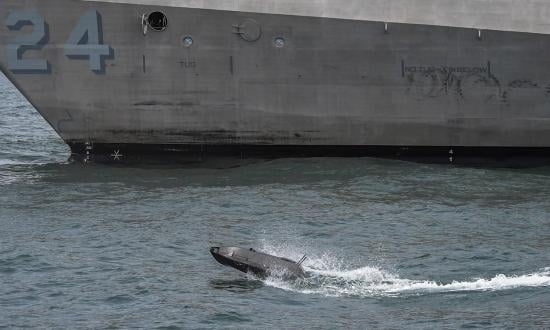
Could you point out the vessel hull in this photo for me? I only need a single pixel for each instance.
(335, 84)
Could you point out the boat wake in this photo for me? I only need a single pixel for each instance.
(329, 277)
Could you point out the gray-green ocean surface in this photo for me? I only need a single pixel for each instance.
(391, 244)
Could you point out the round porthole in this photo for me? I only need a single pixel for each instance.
(187, 41)
(279, 42)
(157, 21)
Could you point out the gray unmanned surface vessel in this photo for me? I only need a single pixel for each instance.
(258, 263)
(169, 79)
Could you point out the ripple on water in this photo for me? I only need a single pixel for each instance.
(227, 317)
(120, 299)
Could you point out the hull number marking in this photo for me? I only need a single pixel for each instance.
(34, 40)
(85, 42)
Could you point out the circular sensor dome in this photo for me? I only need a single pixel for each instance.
(279, 42)
(157, 21)
(187, 41)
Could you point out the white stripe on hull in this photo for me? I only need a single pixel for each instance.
(506, 15)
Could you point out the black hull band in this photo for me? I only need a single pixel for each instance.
(167, 154)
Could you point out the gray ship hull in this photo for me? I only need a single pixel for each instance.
(273, 84)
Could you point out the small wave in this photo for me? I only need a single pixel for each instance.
(326, 276)
(4, 162)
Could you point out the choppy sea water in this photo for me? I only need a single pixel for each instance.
(391, 244)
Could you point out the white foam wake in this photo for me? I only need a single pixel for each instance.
(499, 282)
(328, 276)
(369, 281)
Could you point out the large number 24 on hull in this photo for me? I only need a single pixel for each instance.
(85, 41)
